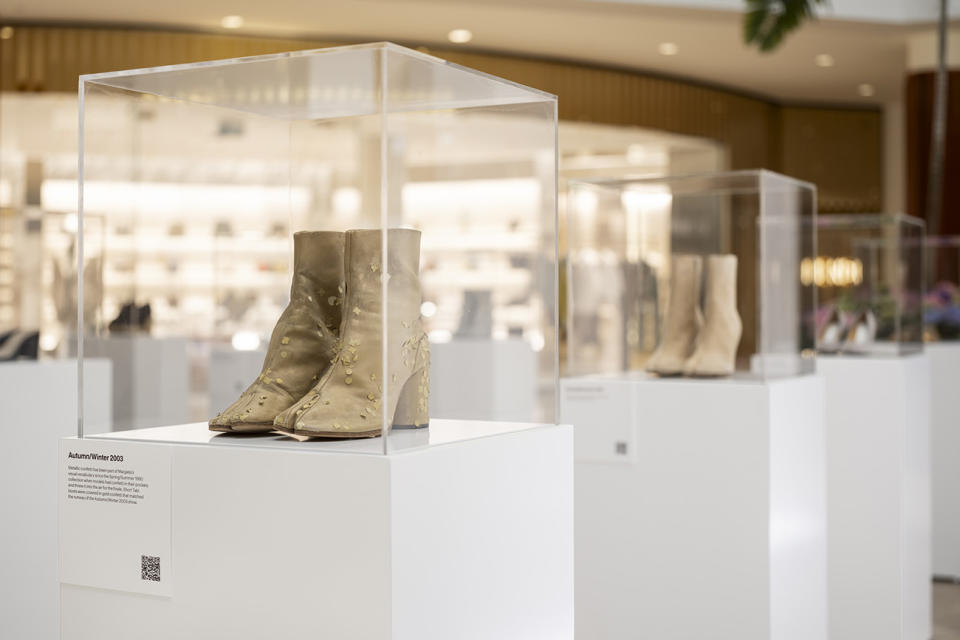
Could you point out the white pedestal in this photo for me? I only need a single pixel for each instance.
(150, 379)
(878, 481)
(39, 401)
(701, 508)
(448, 538)
(945, 435)
(231, 372)
(483, 379)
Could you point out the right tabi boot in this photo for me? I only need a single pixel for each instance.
(304, 339)
(352, 398)
(683, 319)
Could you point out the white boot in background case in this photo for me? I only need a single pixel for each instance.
(683, 320)
(717, 344)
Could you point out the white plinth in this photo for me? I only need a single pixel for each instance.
(39, 401)
(878, 480)
(449, 538)
(150, 378)
(945, 434)
(700, 508)
(231, 372)
(486, 379)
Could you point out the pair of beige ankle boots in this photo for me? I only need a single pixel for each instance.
(323, 373)
(695, 343)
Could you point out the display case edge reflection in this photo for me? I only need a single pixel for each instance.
(761, 221)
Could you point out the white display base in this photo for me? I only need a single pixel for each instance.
(701, 508)
(945, 434)
(878, 481)
(150, 378)
(449, 538)
(39, 401)
(483, 379)
(231, 372)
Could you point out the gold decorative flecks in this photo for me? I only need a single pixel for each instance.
(348, 380)
(326, 402)
(349, 371)
(404, 324)
(284, 354)
(332, 301)
(285, 340)
(279, 380)
(356, 311)
(374, 267)
(370, 396)
(310, 298)
(373, 377)
(393, 378)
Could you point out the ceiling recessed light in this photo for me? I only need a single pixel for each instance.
(668, 49)
(824, 60)
(866, 90)
(6, 33)
(460, 36)
(231, 22)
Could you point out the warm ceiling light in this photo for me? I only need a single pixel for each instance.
(823, 60)
(460, 36)
(231, 22)
(866, 90)
(668, 49)
(6, 33)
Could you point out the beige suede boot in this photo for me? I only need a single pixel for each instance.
(683, 319)
(303, 340)
(349, 401)
(716, 351)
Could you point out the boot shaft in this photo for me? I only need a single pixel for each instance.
(318, 271)
(363, 264)
(721, 282)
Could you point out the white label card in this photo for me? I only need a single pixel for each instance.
(603, 416)
(115, 515)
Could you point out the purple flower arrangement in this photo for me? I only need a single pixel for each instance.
(942, 310)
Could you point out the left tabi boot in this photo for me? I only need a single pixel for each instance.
(303, 340)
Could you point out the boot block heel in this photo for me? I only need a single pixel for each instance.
(413, 405)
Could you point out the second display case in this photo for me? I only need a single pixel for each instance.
(691, 275)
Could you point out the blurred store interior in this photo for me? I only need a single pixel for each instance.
(188, 213)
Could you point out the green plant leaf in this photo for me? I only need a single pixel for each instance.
(767, 22)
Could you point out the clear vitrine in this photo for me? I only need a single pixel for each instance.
(322, 244)
(941, 308)
(690, 275)
(869, 274)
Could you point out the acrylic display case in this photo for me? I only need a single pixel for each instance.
(941, 303)
(869, 274)
(383, 151)
(625, 239)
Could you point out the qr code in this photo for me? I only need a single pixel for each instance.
(150, 568)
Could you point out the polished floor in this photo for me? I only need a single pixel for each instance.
(946, 611)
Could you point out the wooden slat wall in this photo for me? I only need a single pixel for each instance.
(839, 149)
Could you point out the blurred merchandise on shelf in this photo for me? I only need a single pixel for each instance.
(869, 278)
(941, 309)
(693, 275)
